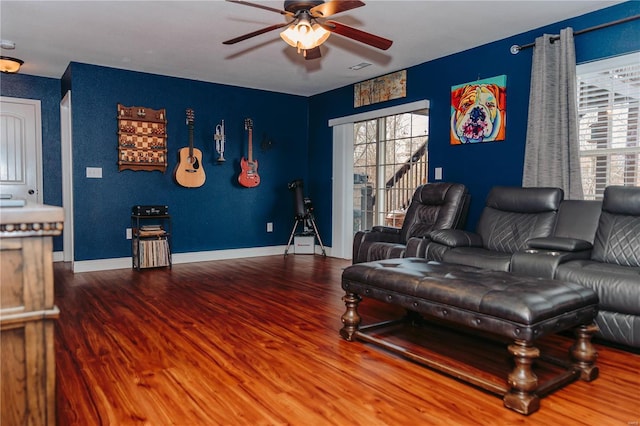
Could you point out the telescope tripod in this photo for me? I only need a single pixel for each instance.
(310, 222)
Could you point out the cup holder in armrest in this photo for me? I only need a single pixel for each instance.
(545, 252)
(541, 262)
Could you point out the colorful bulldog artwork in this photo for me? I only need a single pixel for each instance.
(478, 111)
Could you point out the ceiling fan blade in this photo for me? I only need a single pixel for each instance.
(358, 35)
(312, 53)
(260, 6)
(332, 7)
(255, 33)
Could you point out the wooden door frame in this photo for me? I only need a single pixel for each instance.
(66, 148)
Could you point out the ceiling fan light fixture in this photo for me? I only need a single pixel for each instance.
(320, 34)
(290, 36)
(10, 65)
(305, 35)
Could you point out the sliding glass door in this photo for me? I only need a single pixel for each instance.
(389, 162)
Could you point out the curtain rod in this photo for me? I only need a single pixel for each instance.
(515, 49)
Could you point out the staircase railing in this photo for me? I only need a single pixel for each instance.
(402, 185)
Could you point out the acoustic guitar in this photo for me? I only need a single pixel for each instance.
(189, 172)
(249, 175)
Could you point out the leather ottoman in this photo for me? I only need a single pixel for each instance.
(521, 309)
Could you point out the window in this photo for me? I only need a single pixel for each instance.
(389, 162)
(608, 103)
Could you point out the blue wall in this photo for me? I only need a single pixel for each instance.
(219, 215)
(223, 215)
(479, 166)
(47, 90)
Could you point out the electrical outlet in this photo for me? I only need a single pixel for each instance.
(128, 233)
(269, 226)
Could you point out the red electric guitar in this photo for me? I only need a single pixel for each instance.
(249, 175)
(189, 172)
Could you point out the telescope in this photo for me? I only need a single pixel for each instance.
(303, 213)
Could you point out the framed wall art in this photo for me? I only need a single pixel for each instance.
(478, 111)
(142, 138)
(380, 89)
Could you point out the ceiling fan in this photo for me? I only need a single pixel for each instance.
(308, 27)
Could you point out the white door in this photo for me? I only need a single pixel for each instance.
(21, 149)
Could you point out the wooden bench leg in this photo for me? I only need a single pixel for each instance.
(522, 380)
(584, 354)
(351, 319)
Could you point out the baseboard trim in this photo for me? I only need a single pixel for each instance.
(177, 258)
(101, 264)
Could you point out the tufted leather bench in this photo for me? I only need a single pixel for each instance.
(521, 309)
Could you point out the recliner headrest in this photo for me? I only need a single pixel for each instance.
(434, 193)
(525, 200)
(622, 200)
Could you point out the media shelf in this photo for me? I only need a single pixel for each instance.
(150, 241)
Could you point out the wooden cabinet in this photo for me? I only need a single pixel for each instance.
(27, 314)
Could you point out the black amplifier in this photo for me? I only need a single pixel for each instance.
(150, 210)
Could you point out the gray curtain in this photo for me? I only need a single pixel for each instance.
(552, 154)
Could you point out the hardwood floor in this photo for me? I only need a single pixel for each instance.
(255, 342)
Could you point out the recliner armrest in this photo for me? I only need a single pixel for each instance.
(383, 234)
(416, 247)
(559, 244)
(456, 238)
(543, 263)
(378, 234)
(387, 230)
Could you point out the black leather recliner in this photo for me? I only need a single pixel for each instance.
(511, 217)
(613, 269)
(437, 205)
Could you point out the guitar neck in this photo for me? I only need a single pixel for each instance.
(190, 116)
(250, 145)
(190, 140)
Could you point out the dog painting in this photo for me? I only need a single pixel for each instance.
(478, 111)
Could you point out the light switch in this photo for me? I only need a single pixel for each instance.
(438, 173)
(94, 172)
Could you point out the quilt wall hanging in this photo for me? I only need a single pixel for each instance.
(478, 111)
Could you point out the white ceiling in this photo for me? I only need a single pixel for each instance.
(184, 38)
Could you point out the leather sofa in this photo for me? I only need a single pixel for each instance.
(511, 217)
(610, 265)
(532, 232)
(433, 206)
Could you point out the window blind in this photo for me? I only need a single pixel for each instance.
(608, 104)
